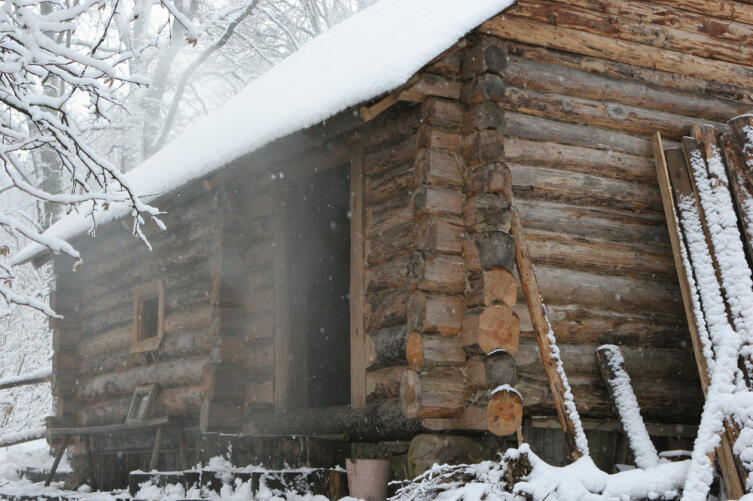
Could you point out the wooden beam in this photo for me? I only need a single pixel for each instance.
(113, 428)
(575, 438)
(589, 44)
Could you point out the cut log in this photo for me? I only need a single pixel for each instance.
(500, 369)
(504, 412)
(439, 392)
(436, 272)
(431, 200)
(440, 234)
(433, 313)
(485, 87)
(389, 347)
(437, 167)
(499, 286)
(493, 177)
(484, 115)
(484, 56)
(487, 212)
(496, 249)
(497, 327)
(486, 145)
(442, 112)
(612, 367)
(426, 350)
(436, 138)
(575, 437)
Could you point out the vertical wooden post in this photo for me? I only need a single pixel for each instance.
(358, 341)
(58, 457)
(575, 437)
(157, 447)
(282, 312)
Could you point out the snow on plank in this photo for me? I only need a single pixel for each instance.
(19, 437)
(612, 365)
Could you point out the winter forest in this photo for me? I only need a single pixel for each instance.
(311, 250)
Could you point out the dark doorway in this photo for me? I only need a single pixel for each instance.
(318, 252)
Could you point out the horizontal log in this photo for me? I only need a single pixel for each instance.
(583, 189)
(448, 63)
(577, 324)
(560, 79)
(608, 114)
(389, 244)
(388, 275)
(603, 163)
(389, 183)
(389, 155)
(432, 272)
(388, 214)
(592, 254)
(601, 223)
(429, 84)
(539, 128)
(675, 403)
(373, 423)
(574, 40)
(624, 27)
(385, 309)
(260, 393)
(471, 418)
(608, 292)
(384, 384)
(434, 313)
(643, 365)
(484, 87)
(166, 374)
(424, 351)
(436, 393)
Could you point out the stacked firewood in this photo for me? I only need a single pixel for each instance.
(707, 189)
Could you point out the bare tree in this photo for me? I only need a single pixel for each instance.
(35, 53)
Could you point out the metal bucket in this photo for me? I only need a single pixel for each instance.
(368, 478)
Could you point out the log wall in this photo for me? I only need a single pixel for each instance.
(584, 85)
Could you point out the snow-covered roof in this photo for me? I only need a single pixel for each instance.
(373, 52)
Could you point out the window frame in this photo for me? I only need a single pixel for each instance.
(149, 290)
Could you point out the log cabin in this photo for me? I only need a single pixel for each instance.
(337, 260)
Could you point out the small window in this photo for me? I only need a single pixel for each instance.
(148, 316)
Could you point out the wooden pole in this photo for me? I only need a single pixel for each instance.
(612, 366)
(690, 296)
(575, 437)
(58, 457)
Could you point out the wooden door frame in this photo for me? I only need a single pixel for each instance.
(358, 338)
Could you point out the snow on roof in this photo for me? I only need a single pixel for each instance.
(371, 53)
